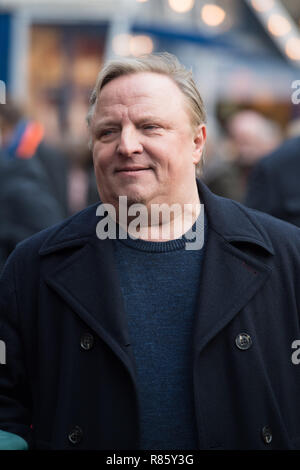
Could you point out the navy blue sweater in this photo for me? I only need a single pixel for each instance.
(160, 284)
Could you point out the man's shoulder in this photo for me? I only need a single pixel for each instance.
(270, 222)
(237, 223)
(81, 225)
(287, 154)
(280, 232)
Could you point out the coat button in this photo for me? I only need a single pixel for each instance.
(266, 434)
(75, 435)
(87, 341)
(243, 341)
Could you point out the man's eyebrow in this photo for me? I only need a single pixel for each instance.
(104, 123)
(149, 117)
(141, 120)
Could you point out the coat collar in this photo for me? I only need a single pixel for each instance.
(229, 219)
(232, 221)
(235, 267)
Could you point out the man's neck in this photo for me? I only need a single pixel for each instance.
(163, 222)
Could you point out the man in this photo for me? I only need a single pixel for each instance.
(274, 183)
(23, 139)
(27, 204)
(133, 341)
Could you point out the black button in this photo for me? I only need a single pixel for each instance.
(266, 434)
(87, 341)
(243, 341)
(75, 435)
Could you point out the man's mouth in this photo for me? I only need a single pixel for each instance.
(132, 169)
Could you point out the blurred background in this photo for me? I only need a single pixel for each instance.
(244, 54)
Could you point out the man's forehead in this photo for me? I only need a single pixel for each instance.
(142, 85)
(119, 113)
(135, 103)
(140, 96)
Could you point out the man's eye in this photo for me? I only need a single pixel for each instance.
(106, 133)
(150, 126)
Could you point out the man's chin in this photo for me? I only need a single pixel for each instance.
(135, 198)
(135, 194)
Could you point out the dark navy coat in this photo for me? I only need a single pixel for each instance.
(69, 378)
(274, 183)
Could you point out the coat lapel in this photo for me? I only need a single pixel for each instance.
(230, 279)
(231, 274)
(88, 282)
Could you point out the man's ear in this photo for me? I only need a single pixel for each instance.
(199, 142)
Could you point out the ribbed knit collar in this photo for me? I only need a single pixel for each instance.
(165, 246)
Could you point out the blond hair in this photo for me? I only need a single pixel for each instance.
(162, 63)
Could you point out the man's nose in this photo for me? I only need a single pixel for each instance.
(129, 143)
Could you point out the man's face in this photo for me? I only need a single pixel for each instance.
(144, 146)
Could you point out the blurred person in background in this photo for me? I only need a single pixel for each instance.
(293, 128)
(23, 138)
(32, 181)
(26, 202)
(274, 184)
(40, 184)
(80, 180)
(250, 136)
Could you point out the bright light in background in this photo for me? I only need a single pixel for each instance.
(292, 48)
(142, 1)
(212, 15)
(181, 6)
(126, 44)
(262, 5)
(279, 25)
(120, 44)
(139, 45)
